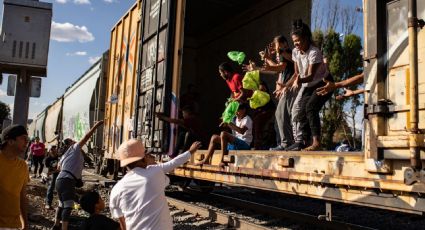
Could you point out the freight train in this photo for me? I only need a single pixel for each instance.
(159, 47)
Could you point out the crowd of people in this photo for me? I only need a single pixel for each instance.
(138, 201)
(303, 87)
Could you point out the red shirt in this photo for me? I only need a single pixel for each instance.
(235, 84)
(37, 149)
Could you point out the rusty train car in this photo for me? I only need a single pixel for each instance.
(159, 47)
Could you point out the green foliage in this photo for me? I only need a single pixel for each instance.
(352, 46)
(318, 38)
(344, 60)
(4, 111)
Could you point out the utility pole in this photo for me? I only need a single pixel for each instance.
(24, 47)
(22, 98)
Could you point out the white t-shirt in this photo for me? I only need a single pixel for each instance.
(312, 56)
(247, 136)
(139, 196)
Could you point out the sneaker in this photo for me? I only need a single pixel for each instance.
(295, 147)
(277, 148)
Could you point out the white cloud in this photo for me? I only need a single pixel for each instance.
(82, 2)
(93, 60)
(78, 53)
(78, 2)
(110, 1)
(67, 32)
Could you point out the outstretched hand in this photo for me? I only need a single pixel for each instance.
(195, 146)
(250, 67)
(329, 87)
(347, 93)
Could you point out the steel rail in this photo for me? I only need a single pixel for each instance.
(272, 211)
(216, 216)
(275, 212)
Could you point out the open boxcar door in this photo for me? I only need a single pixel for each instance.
(154, 81)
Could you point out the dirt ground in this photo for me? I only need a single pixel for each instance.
(42, 218)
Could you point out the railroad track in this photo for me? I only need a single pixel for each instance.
(214, 215)
(274, 216)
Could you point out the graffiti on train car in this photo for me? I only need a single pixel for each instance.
(76, 126)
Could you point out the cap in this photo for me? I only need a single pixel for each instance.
(13, 132)
(131, 151)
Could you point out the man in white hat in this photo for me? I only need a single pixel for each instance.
(138, 199)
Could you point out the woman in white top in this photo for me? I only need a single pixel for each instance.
(310, 71)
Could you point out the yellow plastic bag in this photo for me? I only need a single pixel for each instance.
(259, 98)
(251, 80)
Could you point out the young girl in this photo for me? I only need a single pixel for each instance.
(309, 74)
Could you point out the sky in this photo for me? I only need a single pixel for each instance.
(80, 34)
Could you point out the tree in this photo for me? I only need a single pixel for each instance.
(332, 115)
(332, 17)
(349, 19)
(344, 60)
(353, 66)
(4, 112)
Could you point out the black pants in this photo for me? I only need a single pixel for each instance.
(38, 160)
(311, 104)
(65, 188)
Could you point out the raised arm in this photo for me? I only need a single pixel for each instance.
(180, 159)
(89, 134)
(170, 120)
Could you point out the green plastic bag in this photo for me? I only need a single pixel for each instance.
(259, 98)
(236, 56)
(230, 111)
(251, 80)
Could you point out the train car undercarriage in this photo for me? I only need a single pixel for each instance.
(340, 177)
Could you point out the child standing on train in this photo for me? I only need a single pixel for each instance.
(310, 71)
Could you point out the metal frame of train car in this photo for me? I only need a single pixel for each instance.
(386, 175)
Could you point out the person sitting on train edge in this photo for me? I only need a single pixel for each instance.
(240, 139)
(71, 168)
(92, 203)
(191, 129)
(14, 176)
(233, 81)
(145, 183)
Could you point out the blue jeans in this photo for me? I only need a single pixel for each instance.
(51, 189)
(238, 144)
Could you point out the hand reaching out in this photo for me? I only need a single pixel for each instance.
(195, 146)
(329, 87)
